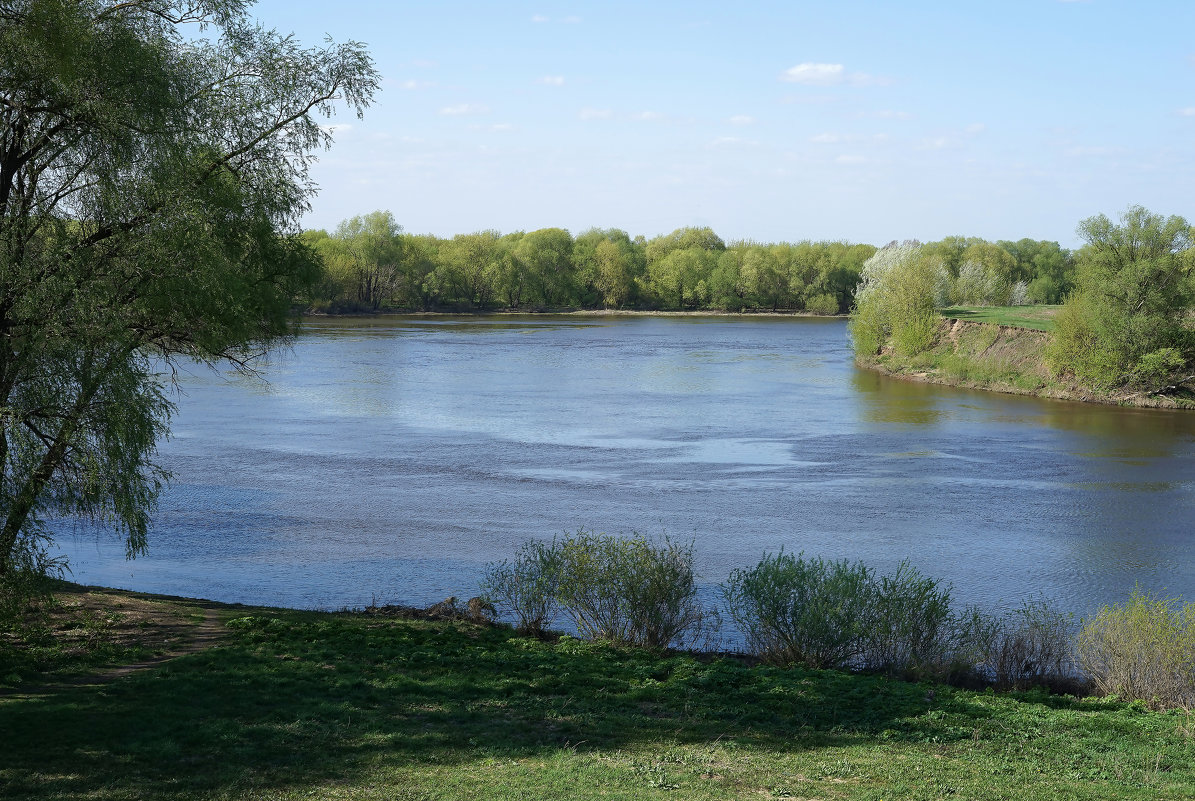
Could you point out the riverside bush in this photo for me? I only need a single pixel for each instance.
(910, 624)
(1032, 646)
(810, 612)
(1142, 650)
(629, 590)
(525, 587)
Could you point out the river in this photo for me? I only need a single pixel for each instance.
(388, 459)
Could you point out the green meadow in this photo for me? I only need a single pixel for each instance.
(288, 704)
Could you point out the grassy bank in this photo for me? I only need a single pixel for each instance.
(291, 704)
(973, 349)
(1036, 318)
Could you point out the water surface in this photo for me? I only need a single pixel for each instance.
(389, 459)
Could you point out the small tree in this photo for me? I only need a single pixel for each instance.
(897, 299)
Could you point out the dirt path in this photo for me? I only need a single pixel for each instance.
(149, 622)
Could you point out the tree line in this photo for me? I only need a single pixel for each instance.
(370, 263)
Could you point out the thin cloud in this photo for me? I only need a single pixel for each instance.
(648, 116)
(975, 128)
(539, 18)
(741, 119)
(850, 158)
(552, 80)
(811, 73)
(826, 139)
(411, 84)
(1189, 111)
(595, 114)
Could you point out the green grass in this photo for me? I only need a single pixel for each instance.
(1038, 318)
(312, 705)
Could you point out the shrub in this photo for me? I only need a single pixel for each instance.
(910, 625)
(526, 587)
(824, 303)
(630, 590)
(1032, 647)
(1142, 650)
(794, 610)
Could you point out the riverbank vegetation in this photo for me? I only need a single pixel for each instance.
(389, 704)
(792, 610)
(371, 264)
(1123, 334)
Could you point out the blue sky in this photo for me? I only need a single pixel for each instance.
(864, 121)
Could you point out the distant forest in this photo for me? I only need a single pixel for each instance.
(369, 263)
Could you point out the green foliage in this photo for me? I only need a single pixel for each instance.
(1132, 295)
(798, 611)
(151, 180)
(526, 587)
(1142, 650)
(294, 705)
(629, 590)
(824, 303)
(910, 624)
(896, 301)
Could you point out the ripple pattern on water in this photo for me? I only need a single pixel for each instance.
(389, 459)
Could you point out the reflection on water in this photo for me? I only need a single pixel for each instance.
(389, 458)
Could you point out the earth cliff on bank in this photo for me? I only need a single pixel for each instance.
(1002, 358)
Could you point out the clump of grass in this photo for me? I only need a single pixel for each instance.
(1142, 650)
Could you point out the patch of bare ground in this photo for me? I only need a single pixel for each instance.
(155, 627)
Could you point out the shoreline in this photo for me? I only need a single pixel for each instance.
(573, 313)
(1004, 359)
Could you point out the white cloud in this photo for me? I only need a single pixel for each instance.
(826, 138)
(937, 143)
(648, 116)
(552, 80)
(816, 74)
(741, 119)
(1187, 112)
(975, 128)
(539, 18)
(849, 159)
(412, 84)
(464, 109)
(812, 74)
(595, 114)
(502, 126)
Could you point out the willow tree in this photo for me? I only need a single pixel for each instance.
(153, 163)
(1128, 319)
